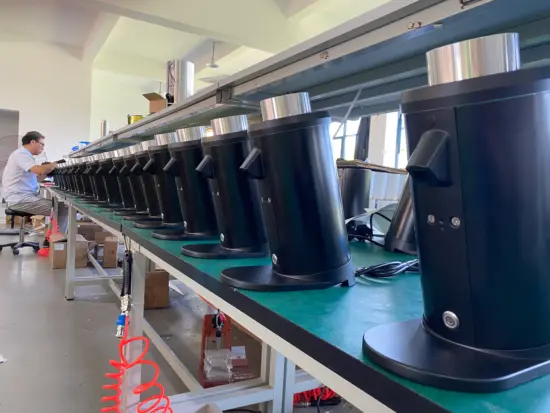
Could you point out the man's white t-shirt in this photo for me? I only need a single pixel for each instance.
(17, 182)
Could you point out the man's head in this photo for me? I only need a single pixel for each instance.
(33, 142)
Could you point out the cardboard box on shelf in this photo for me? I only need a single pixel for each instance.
(156, 102)
(101, 236)
(88, 230)
(58, 251)
(110, 252)
(157, 291)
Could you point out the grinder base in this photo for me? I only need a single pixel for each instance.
(265, 278)
(149, 224)
(172, 234)
(179, 234)
(410, 350)
(124, 211)
(216, 251)
(142, 217)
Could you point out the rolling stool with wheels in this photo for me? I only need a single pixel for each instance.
(15, 246)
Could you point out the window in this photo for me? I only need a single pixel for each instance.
(343, 144)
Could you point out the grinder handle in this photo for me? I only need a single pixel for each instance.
(87, 170)
(99, 170)
(253, 165)
(124, 171)
(205, 167)
(149, 166)
(429, 162)
(112, 171)
(136, 169)
(171, 167)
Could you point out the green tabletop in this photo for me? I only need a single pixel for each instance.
(346, 313)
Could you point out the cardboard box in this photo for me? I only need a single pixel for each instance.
(101, 236)
(88, 230)
(157, 291)
(58, 251)
(38, 221)
(156, 102)
(17, 222)
(110, 252)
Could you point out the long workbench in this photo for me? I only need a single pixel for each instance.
(321, 330)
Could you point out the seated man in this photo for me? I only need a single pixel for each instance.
(21, 177)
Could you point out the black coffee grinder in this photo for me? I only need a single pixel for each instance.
(128, 207)
(197, 207)
(292, 161)
(165, 186)
(154, 218)
(100, 194)
(109, 181)
(236, 198)
(479, 138)
(126, 177)
(85, 190)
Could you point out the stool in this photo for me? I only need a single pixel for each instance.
(15, 246)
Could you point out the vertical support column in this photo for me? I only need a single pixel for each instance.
(132, 378)
(71, 254)
(288, 391)
(280, 373)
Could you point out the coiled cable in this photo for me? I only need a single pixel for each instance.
(158, 403)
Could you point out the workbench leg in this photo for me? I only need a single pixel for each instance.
(273, 372)
(71, 254)
(132, 378)
(288, 393)
(55, 209)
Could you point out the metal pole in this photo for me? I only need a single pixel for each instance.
(363, 139)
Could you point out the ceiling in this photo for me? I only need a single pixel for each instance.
(137, 37)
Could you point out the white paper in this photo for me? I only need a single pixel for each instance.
(58, 247)
(3, 359)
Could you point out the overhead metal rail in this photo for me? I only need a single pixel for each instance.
(382, 58)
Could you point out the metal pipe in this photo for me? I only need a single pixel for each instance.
(285, 106)
(230, 124)
(104, 128)
(191, 134)
(472, 58)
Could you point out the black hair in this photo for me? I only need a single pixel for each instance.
(31, 136)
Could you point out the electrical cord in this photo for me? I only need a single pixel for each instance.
(388, 269)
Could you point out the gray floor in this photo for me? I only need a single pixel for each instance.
(58, 351)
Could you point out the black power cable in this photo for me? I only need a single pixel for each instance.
(388, 269)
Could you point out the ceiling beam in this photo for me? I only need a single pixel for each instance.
(130, 64)
(103, 26)
(268, 30)
(291, 7)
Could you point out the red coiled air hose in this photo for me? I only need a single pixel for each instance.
(158, 403)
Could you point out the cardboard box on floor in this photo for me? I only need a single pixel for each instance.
(58, 251)
(157, 291)
(17, 222)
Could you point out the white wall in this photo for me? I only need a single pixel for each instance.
(115, 96)
(51, 90)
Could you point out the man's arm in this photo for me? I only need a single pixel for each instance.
(44, 169)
